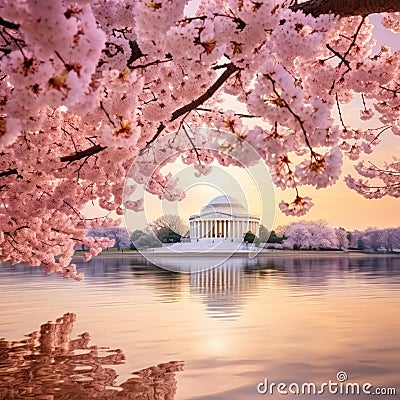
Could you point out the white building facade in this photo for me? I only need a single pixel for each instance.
(224, 217)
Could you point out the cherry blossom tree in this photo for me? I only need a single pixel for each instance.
(120, 236)
(310, 235)
(171, 222)
(391, 239)
(372, 238)
(355, 238)
(86, 87)
(378, 239)
(342, 240)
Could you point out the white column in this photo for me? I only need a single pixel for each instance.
(198, 229)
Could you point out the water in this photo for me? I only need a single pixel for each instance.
(213, 335)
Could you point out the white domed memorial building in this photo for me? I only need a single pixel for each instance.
(223, 218)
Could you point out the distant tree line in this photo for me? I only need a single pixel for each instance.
(318, 235)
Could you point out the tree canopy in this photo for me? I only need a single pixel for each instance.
(88, 86)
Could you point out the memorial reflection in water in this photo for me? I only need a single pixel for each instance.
(48, 364)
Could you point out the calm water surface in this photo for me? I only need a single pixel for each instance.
(133, 331)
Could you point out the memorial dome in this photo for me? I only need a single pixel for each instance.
(225, 201)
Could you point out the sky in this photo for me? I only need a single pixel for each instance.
(338, 205)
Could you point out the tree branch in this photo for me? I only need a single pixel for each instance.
(230, 69)
(10, 171)
(83, 153)
(8, 24)
(346, 8)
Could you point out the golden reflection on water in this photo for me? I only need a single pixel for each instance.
(49, 365)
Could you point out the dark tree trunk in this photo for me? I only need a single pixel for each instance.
(347, 8)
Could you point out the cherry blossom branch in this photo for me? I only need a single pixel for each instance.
(10, 171)
(353, 42)
(222, 112)
(149, 64)
(345, 8)
(8, 24)
(296, 117)
(337, 54)
(191, 142)
(5, 51)
(379, 134)
(136, 53)
(394, 91)
(343, 58)
(388, 186)
(230, 69)
(340, 112)
(363, 101)
(83, 153)
(383, 171)
(107, 114)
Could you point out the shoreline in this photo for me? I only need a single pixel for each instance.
(263, 254)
